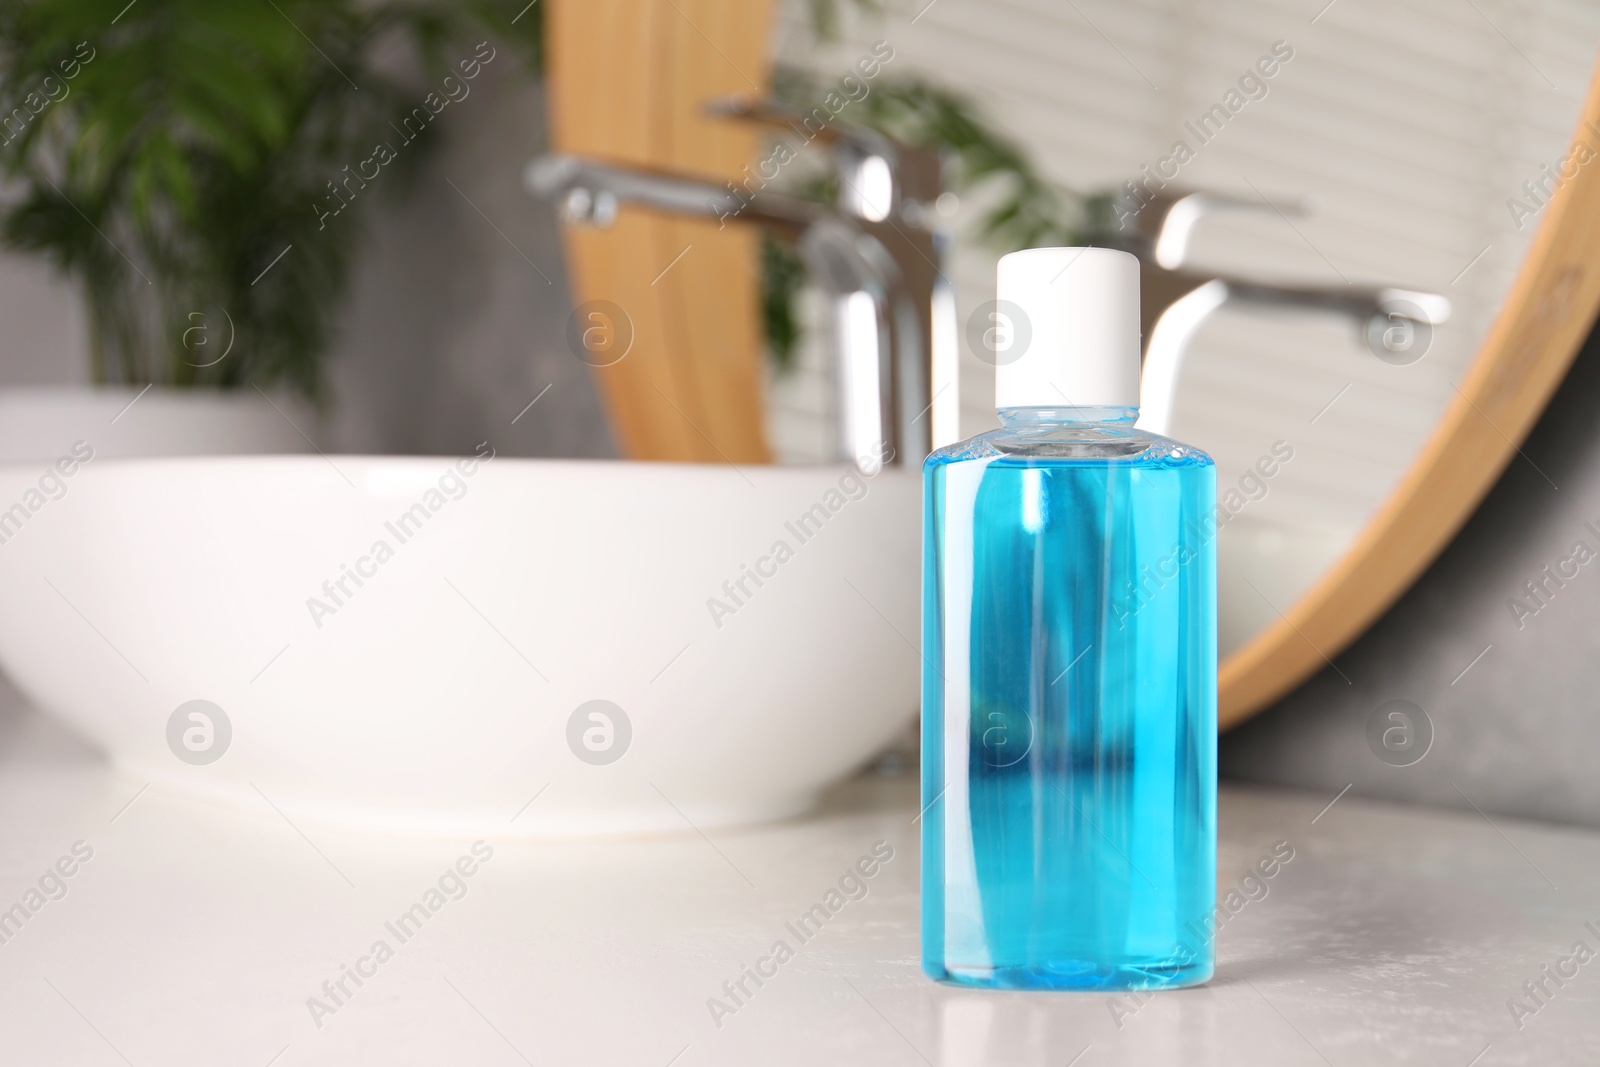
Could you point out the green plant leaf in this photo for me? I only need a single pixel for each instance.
(192, 146)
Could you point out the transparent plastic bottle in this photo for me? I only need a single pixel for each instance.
(1069, 688)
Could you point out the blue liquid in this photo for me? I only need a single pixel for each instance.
(1069, 707)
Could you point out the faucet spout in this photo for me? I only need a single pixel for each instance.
(589, 191)
(876, 256)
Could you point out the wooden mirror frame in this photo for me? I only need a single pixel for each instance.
(1545, 319)
(625, 83)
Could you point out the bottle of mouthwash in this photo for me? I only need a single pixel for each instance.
(1070, 649)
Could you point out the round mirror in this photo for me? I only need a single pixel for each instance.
(1361, 227)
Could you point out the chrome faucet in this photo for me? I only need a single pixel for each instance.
(878, 255)
(1178, 299)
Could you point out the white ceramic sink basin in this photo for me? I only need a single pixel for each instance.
(442, 693)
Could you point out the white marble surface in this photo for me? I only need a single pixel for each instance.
(196, 934)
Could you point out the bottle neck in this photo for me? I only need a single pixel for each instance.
(1038, 418)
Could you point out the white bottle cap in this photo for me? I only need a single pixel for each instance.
(1074, 321)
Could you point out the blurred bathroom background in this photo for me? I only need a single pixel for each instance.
(1401, 129)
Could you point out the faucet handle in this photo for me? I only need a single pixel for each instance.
(879, 175)
(780, 116)
(1167, 232)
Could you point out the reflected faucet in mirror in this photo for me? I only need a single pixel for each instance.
(877, 255)
(1178, 298)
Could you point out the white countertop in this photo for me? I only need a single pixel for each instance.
(196, 934)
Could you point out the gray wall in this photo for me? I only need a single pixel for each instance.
(1519, 732)
(451, 328)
